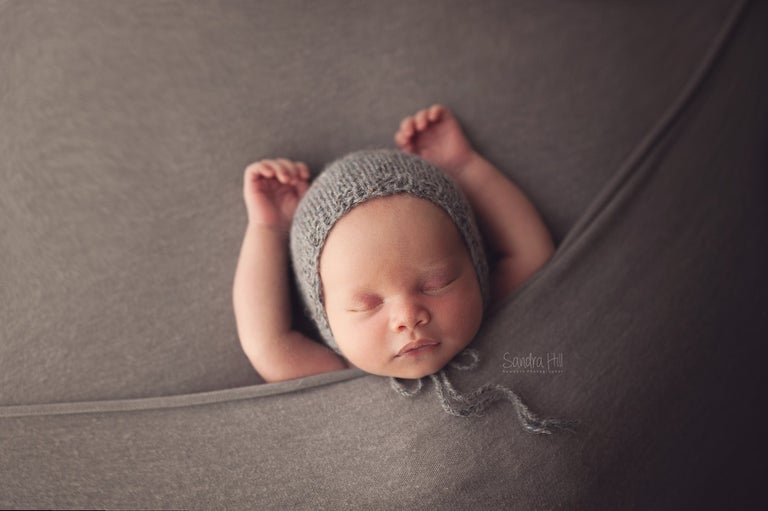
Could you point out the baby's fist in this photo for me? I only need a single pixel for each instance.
(272, 190)
(435, 134)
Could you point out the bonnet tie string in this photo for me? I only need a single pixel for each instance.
(474, 403)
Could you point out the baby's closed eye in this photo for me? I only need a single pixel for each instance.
(364, 303)
(438, 282)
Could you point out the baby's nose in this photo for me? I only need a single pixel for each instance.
(409, 314)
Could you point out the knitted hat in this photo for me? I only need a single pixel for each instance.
(357, 178)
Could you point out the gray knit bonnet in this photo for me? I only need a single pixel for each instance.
(357, 178)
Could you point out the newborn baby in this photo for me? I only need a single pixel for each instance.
(386, 251)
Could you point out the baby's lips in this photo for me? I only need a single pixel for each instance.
(420, 343)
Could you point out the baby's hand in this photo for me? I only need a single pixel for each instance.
(435, 135)
(272, 190)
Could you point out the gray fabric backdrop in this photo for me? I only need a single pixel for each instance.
(638, 129)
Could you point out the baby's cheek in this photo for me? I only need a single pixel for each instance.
(359, 342)
(468, 311)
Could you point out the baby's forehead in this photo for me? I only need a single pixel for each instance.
(390, 233)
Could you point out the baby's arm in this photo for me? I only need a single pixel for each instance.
(511, 224)
(261, 293)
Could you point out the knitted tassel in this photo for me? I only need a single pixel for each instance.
(474, 403)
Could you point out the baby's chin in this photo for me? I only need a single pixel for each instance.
(409, 371)
(415, 375)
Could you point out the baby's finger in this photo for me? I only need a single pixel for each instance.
(401, 139)
(406, 127)
(435, 113)
(283, 171)
(293, 168)
(303, 170)
(258, 169)
(421, 120)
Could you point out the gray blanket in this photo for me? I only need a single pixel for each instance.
(638, 129)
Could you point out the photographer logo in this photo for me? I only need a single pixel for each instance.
(549, 363)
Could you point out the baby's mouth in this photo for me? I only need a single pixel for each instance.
(417, 347)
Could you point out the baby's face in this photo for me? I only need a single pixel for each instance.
(400, 291)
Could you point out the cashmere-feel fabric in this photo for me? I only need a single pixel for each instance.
(351, 181)
(639, 129)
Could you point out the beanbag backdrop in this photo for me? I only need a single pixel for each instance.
(637, 129)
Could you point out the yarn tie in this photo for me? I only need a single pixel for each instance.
(474, 403)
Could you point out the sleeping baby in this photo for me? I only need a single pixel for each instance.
(389, 261)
